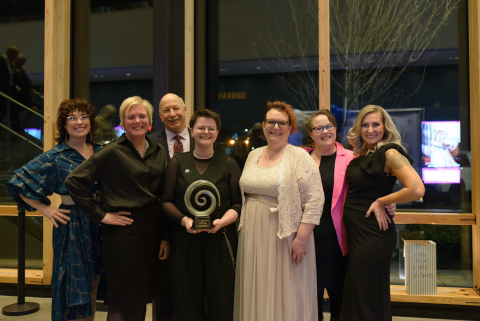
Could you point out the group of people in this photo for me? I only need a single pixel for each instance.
(14, 82)
(309, 219)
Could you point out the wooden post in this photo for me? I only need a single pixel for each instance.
(189, 57)
(324, 54)
(57, 88)
(474, 45)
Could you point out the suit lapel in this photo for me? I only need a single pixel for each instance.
(162, 139)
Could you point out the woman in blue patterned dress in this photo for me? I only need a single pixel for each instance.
(77, 258)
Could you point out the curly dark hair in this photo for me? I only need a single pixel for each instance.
(67, 107)
(284, 108)
(207, 113)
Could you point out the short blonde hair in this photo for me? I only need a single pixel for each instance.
(132, 101)
(391, 134)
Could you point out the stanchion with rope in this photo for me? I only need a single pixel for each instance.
(21, 307)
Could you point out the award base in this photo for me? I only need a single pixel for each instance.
(201, 223)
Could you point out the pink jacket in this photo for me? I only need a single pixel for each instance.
(340, 187)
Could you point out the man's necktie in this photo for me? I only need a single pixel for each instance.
(178, 146)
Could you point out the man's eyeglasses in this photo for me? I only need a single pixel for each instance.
(281, 123)
(75, 118)
(201, 129)
(320, 129)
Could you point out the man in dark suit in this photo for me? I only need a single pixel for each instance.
(6, 77)
(175, 138)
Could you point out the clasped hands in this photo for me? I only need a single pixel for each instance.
(188, 222)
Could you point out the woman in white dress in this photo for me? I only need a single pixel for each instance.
(282, 201)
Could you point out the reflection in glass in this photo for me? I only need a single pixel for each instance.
(21, 86)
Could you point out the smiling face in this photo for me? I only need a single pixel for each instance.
(136, 122)
(275, 134)
(207, 136)
(326, 139)
(78, 128)
(173, 113)
(373, 129)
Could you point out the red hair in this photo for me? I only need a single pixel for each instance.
(284, 108)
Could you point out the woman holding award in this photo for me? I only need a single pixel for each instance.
(203, 258)
(283, 201)
(129, 172)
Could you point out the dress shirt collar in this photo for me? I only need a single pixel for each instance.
(170, 135)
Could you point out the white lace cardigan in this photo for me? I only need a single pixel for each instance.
(300, 192)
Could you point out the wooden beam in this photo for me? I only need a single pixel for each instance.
(189, 57)
(434, 218)
(12, 210)
(474, 45)
(57, 88)
(31, 276)
(445, 295)
(324, 54)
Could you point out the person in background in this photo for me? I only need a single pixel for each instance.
(7, 85)
(130, 172)
(330, 236)
(23, 89)
(105, 132)
(282, 201)
(176, 138)
(381, 160)
(77, 252)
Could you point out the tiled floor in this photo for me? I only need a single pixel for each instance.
(44, 313)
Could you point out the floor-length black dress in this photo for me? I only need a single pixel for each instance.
(367, 284)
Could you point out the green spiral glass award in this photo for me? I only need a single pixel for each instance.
(202, 218)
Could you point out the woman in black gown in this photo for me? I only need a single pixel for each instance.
(372, 238)
(330, 236)
(130, 174)
(203, 260)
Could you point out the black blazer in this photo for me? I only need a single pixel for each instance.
(160, 137)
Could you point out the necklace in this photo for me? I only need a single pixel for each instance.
(202, 156)
(144, 150)
(275, 154)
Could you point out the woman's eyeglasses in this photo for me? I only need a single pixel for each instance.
(320, 129)
(75, 118)
(201, 129)
(281, 123)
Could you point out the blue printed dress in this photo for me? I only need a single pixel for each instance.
(77, 256)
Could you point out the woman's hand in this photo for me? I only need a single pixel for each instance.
(188, 222)
(391, 209)
(164, 250)
(382, 217)
(217, 224)
(299, 250)
(55, 214)
(117, 218)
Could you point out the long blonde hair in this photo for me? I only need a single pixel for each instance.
(391, 134)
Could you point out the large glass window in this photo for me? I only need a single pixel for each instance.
(120, 64)
(21, 86)
(267, 51)
(22, 25)
(417, 69)
(454, 253)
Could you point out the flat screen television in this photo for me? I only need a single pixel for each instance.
(441, 152)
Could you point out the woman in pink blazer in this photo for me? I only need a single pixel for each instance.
(330, 236)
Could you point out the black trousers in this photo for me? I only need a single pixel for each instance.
(203, 272)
